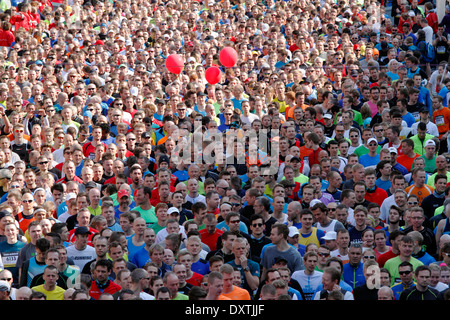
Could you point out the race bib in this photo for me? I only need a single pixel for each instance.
(9, 259)
(439, 121)
(440, 50)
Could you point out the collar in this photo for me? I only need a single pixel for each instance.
(439, 196)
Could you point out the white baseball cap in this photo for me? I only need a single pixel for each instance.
(330, 235)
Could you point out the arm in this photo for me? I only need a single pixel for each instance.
(25, 124)
(7, 129)
(23, 274)
(439, 229)
(252, 280)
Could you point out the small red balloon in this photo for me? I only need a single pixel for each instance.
(228, 57)
(213, 75)
(175, 63)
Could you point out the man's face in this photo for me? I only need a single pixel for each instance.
(216, 287)
(310, 263)
(441, 163)
(83, 218)
(50, 277)
(101, 247)
(108, 213)
(440, 185)
(420, 178)
(149, 236)
(239, 249)
(210, 226)
(354, 255)
(124, 201)
(116, 252)
(406, 248)
(417, 219)
(11, 231)
(360, 192)
(35, 233)
(360, 218)
(172, 284)
(400, 199)
(327, 282)
(308, 195)
(343, 239)
(139, 226)
(358, 175)
(423, 278)
(101, 273)
(82, 239)
(399, 184)
(94, 196)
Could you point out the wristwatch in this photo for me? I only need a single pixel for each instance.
(247, 269)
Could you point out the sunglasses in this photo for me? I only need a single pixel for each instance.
(44, 162)
(404, 273)
(27, 201)
(257, 225)
(413, 203)
(369, 257)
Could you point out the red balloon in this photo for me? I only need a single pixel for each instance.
(213, 75)
(175, 63)
(228, 57)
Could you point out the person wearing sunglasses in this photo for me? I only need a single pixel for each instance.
(405, 270)
(7, 276)
(258, 238)
(20, 145)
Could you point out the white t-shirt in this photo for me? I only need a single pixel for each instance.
(80, 258)
(309, 283)
(162, 234)
(249, 120)
(431, 128)
(428, 34)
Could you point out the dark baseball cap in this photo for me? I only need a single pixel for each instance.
(82, 231)
(146, 135)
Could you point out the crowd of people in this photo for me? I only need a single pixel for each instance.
(317, 167)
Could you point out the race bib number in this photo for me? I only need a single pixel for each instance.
(440, 50)
(439, 121)
(9, 259)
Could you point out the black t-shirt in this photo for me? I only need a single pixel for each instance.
(21, 149)
(414, 109)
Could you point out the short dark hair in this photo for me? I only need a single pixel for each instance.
(104, 263)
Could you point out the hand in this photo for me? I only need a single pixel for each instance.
(243, 260)
(336, 287)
